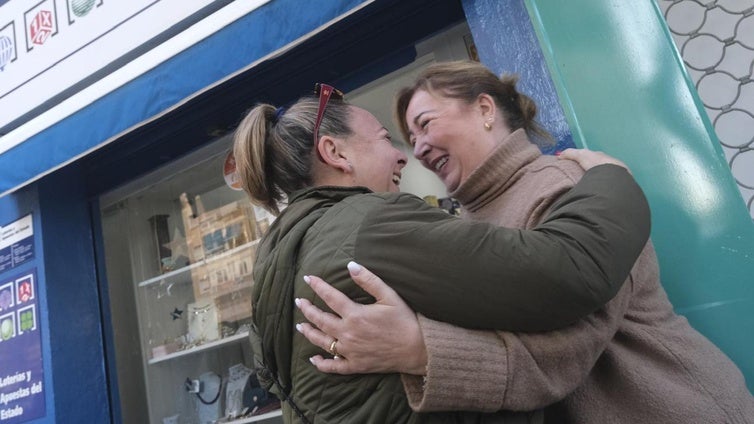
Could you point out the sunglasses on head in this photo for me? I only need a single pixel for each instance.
(325, 92)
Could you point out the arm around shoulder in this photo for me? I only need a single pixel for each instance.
(445, 267)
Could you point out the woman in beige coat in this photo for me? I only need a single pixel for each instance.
(634, 361)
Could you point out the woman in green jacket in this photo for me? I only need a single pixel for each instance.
(336, 166)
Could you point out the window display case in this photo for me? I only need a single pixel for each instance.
(183, 241)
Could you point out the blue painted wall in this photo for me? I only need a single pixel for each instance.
(506, 43)
(75, 326)
(624, 90)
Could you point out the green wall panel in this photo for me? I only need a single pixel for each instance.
(625, 91)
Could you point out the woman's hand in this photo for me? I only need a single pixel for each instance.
(590, 158)
(377, 338)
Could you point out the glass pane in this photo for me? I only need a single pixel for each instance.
(180, 247)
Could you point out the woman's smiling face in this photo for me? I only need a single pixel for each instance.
(448, 136)
(377, 164)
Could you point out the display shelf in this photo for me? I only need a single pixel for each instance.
(180, 247)
(166, 277)
(257, 418)
(236, 338)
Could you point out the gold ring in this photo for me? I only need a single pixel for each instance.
(333, 348)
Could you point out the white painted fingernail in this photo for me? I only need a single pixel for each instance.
(354, 268)
(312, 361)
(297, 301)
(307, 280)
(299, 328)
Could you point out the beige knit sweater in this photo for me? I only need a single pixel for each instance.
(634, 361)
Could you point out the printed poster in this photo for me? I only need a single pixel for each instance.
(16, 243)
(22, 394)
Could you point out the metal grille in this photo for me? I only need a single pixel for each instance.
(716, 41)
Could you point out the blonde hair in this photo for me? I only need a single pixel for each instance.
(274, 152)
(466, 80)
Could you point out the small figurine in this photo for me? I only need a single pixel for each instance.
(176, 314)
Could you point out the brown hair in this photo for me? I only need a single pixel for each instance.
(466, 80)
(274, 151)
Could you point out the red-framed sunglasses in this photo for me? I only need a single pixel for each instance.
(325, 92)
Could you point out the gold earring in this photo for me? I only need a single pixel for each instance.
(487, 126)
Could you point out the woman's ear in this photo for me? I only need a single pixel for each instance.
(487, 106)
(331, 152)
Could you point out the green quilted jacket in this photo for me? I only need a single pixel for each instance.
(466, 273)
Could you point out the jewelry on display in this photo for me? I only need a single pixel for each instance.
(201, 309)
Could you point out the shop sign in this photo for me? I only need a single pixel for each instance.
(54, 48)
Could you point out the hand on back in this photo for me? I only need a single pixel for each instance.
(588, 159)
(377, 338)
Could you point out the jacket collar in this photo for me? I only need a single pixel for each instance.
(302, 202)
(335, 193)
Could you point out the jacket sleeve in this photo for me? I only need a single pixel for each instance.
(512, 371)
(480, 276)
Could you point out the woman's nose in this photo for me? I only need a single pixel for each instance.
(421, 149)
(402, 158)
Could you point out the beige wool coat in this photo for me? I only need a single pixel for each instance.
(634, 361)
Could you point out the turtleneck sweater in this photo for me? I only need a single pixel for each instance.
(496, 191)
(496, 174)
(632, 361)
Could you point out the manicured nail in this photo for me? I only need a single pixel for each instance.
(297, 301)
(558, 152)
(354, 268)
(312, 361)
(307, 280)
(299, 328)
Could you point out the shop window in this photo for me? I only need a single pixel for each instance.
(183, 241)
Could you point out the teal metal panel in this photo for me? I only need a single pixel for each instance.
(625, 91)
